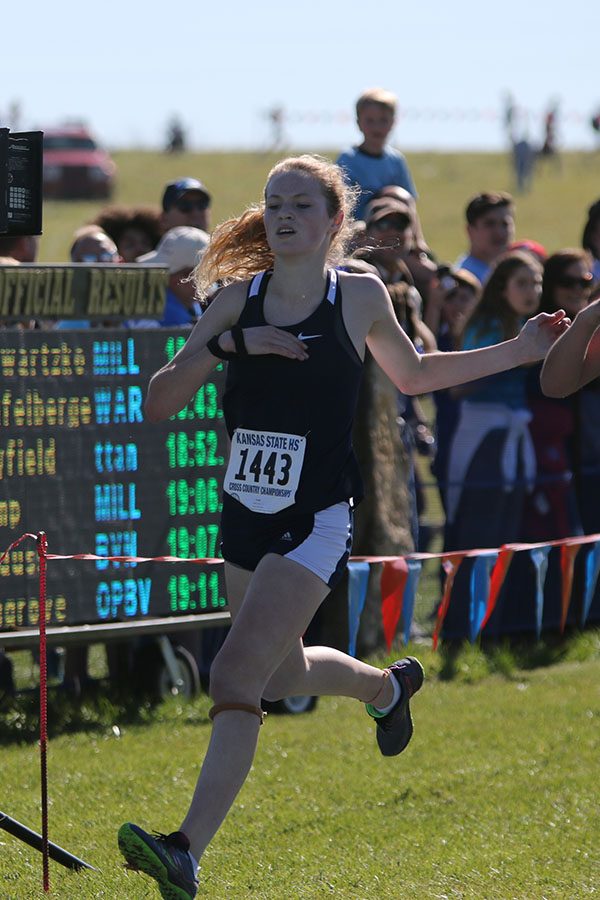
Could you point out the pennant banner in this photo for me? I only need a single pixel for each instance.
(393, 578)
(450, 565)
(410, 591)
(358, 581)
(539, 557)
(401, 575)
(480, 587)
(592, 568)
(568, 552)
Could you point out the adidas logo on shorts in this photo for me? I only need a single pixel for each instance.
(286, 537)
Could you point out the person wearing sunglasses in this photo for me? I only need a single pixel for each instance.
(91, 245)
(574, 373)
(552, 510)
(567, 281)
(185, 201)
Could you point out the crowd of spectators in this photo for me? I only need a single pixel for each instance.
(492, 450)
(511, 465)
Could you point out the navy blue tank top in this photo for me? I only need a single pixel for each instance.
(315, 398)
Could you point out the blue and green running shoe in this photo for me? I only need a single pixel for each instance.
(394, 729)
(164, 857)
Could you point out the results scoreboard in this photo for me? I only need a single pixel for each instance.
(79, 461)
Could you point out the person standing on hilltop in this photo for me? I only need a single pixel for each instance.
(375, 164)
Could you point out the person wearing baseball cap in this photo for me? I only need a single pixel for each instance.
(390, 215)
(185, 201)
(179, 251)
(389, 225)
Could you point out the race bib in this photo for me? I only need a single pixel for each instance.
(264, 469)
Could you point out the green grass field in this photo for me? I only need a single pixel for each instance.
(496, 797)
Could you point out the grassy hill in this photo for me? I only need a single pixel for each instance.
(553, 212)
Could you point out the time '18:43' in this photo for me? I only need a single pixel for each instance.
(203, 405)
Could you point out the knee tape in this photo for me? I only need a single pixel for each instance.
(243, 707)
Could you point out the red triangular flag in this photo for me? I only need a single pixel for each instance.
(496, 581)
(568, 552)
(393, 580)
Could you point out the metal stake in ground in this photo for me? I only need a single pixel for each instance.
(35, 840)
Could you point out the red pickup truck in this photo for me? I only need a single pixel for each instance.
(75, 167)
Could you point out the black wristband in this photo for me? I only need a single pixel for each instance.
(215, 349)
(237, 333)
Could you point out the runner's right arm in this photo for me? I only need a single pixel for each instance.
(176, 383)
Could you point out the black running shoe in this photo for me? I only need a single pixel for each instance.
(395, 729)
(164, 857)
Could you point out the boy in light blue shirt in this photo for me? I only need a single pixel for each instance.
(374, 164)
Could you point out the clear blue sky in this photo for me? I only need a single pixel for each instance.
(128, 67)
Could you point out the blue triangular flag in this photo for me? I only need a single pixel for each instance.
(480, 589)
(358, 580)
(539, 557)
(410, 590)
(592, 567)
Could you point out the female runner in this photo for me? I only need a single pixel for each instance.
(294, 330)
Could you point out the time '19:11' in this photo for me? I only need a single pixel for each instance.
(201, 592)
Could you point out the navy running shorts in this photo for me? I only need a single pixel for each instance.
(320, 541)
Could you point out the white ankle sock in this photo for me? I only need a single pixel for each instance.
(384, 710)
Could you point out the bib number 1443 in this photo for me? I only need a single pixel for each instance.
(264, 469)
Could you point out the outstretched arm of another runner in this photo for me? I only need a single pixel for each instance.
(176, 383)
(419, 374)
(574, 360)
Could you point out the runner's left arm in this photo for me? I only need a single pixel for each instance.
(419, 374)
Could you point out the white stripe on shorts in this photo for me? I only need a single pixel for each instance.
(327, 543)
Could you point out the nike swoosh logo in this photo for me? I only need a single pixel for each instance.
(308, 337)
